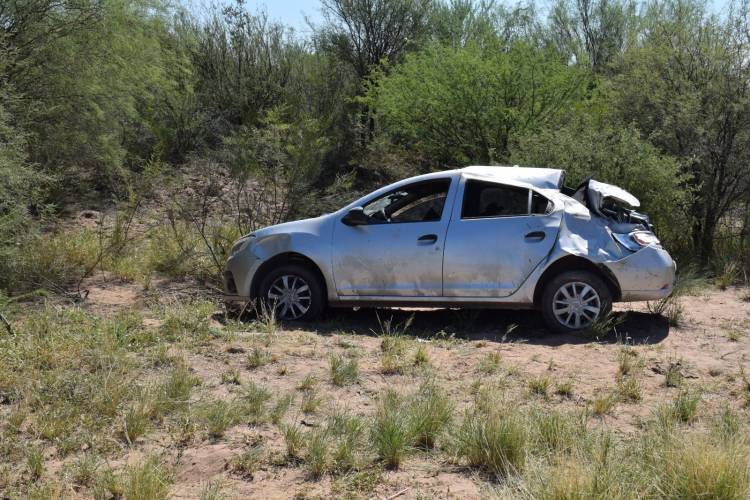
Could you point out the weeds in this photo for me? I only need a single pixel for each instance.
(430, 412)
(343, 371)
(219, 416)
(307, 383)
(252, 403)
(629, 389)
(258, 358)
(727, 276)
(421, 357)
(493, 440)
(391, 433)
(293, 439)
(673, 374)
(605, 325)
(603, 405)
(148, 480)
(628, 361)
(564, 389)
(698, 468)
(490, 364)
(310, 402)
(685, 406)
(540, 386)
(280, 408)
(248, 462)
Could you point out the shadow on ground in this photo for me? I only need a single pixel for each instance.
(490, 325)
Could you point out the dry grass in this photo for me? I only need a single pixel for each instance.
(106, 403)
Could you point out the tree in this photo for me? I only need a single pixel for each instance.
(85, 72)
(595, 32)
(242, 64)
(686, 90)
(365, 33)
(463, 106)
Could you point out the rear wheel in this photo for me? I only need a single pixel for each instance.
(574, 300)
(293, 292)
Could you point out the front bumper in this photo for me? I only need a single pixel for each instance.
(238, 274)
(648, 274)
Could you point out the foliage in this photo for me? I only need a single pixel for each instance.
(249, 123)
(584, 146)
(462, 106)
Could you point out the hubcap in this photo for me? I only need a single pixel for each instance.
(290, 296)
(576, 305)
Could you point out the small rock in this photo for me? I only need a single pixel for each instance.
(90, 214)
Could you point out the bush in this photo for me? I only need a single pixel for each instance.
(585, 147)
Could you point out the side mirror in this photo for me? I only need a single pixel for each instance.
(356, 217)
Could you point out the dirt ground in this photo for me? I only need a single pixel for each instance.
(710, 347)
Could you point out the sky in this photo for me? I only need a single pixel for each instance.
(290, 12)
(293, 13)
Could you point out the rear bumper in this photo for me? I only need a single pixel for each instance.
(647, 274)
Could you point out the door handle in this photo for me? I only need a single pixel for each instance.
(535, 235)
(427, 238)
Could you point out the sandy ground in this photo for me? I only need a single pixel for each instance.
(711, 345)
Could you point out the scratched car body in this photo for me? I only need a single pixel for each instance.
(507, 237)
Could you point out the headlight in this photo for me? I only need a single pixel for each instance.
(242, 243)
(636, 240)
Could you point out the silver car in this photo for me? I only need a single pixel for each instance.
(506, 237)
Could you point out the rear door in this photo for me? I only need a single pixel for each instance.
(498, 234)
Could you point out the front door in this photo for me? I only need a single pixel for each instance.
(497, 236)
(400, 252)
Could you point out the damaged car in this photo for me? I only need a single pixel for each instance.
(480, 236)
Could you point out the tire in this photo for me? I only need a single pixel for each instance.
(303, 289)
(585, 290)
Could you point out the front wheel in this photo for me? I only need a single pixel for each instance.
(293, 293)
(574, 300)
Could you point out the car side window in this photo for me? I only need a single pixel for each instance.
(489, 199)
(418, 202)
(540, 205)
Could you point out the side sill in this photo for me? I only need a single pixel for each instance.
(420, 302)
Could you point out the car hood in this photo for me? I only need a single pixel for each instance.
(600, 191)
(312, 225)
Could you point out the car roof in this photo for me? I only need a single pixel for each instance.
(526, 177)
(542, 178)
